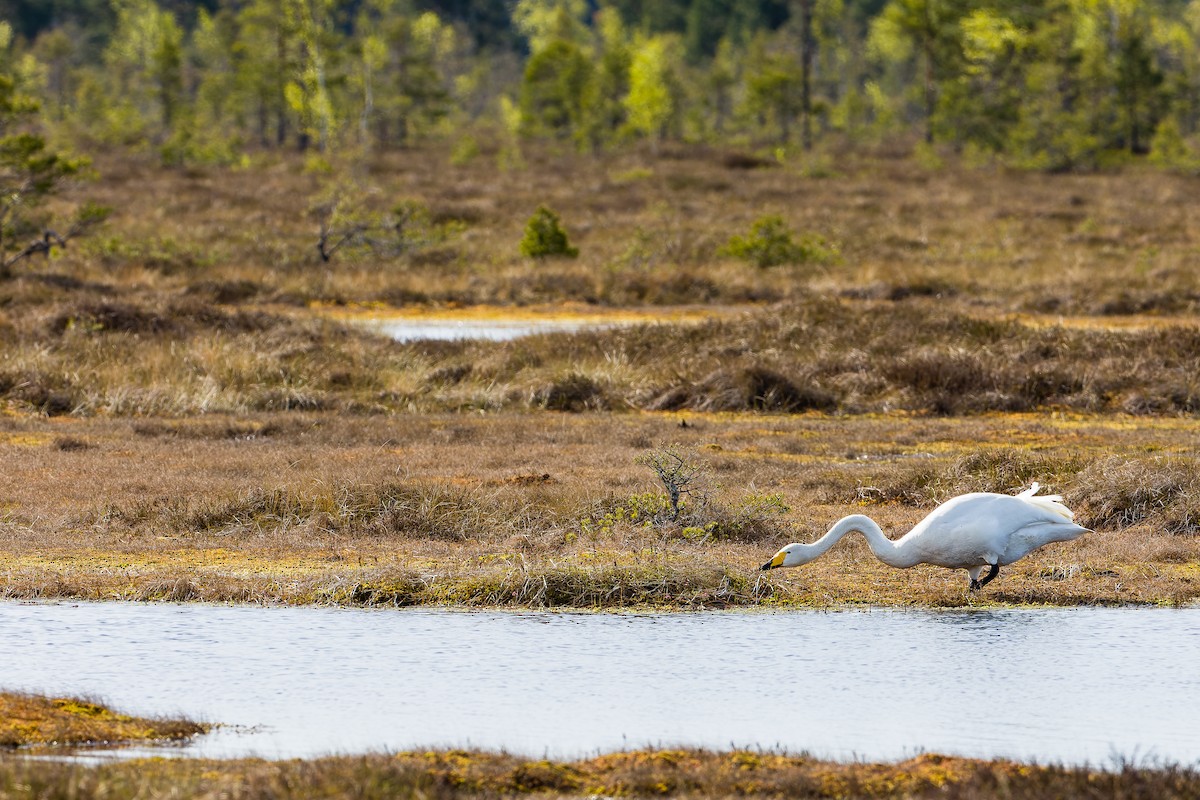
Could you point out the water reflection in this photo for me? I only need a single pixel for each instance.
(1070, 685)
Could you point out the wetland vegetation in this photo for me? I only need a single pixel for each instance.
(925, 260)
(28, 720)
(186, 417)
(670, 773)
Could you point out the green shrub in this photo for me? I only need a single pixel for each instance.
(770, 244)
(1169, 149)
(465, 151)
(544, 236)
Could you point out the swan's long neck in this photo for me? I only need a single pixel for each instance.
(883, 548)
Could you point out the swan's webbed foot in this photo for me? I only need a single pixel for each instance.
(977, 583)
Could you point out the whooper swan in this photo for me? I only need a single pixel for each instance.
(970, 532)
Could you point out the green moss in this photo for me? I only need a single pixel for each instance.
(84, 709)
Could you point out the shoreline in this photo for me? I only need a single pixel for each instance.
(644, 773)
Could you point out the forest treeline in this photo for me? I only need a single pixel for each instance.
(1057, 85)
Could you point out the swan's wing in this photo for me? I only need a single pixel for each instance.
(965, 531)
(1048, 502)
(986, 528)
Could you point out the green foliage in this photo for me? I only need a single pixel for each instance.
(30, 173)
(1065, 86)
(544, 236)
(610, 85)
(403, 72)
(542, 22)
(642, 510)
(773, 88)
(465, 150)
(653, 98)
(769, 244)
(144, 69)
(1169, 149)
(553, 90)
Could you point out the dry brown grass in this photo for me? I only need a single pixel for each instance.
(183, 417)
(196, 296)
(27, 719)
(542, 510)
(649, 228)
(817, 353)
(443, 775)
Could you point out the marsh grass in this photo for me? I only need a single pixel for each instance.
(444, 775)
(199, 303)
(551, 510)
(812, 354)
(1006, 471)
(1069, 244)
(180, 416)
(417, 510)
(1115, 493)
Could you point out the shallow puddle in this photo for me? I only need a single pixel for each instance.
(1055, 685)
(408, 330)
(494, 324)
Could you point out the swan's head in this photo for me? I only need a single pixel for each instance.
(791, 556)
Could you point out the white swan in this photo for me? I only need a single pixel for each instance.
(970, 532)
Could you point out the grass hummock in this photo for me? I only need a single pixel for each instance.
(28, 719)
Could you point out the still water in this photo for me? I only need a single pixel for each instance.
(1062, 685)
(404, 329)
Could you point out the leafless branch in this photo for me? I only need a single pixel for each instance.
(680, 476)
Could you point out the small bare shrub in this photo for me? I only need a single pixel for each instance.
(345, 222)
(689, 503)
(681, 475)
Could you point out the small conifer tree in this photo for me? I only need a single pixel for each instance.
(30, 173)
(544, 236)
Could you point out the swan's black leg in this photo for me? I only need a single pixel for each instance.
(974, 585)
(992, 573)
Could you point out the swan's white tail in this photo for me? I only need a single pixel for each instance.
(1049, 502)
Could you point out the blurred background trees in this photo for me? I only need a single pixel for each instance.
(1060, 85)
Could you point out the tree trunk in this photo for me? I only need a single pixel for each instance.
(281, 87)
(806, 62)
(930, 101)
